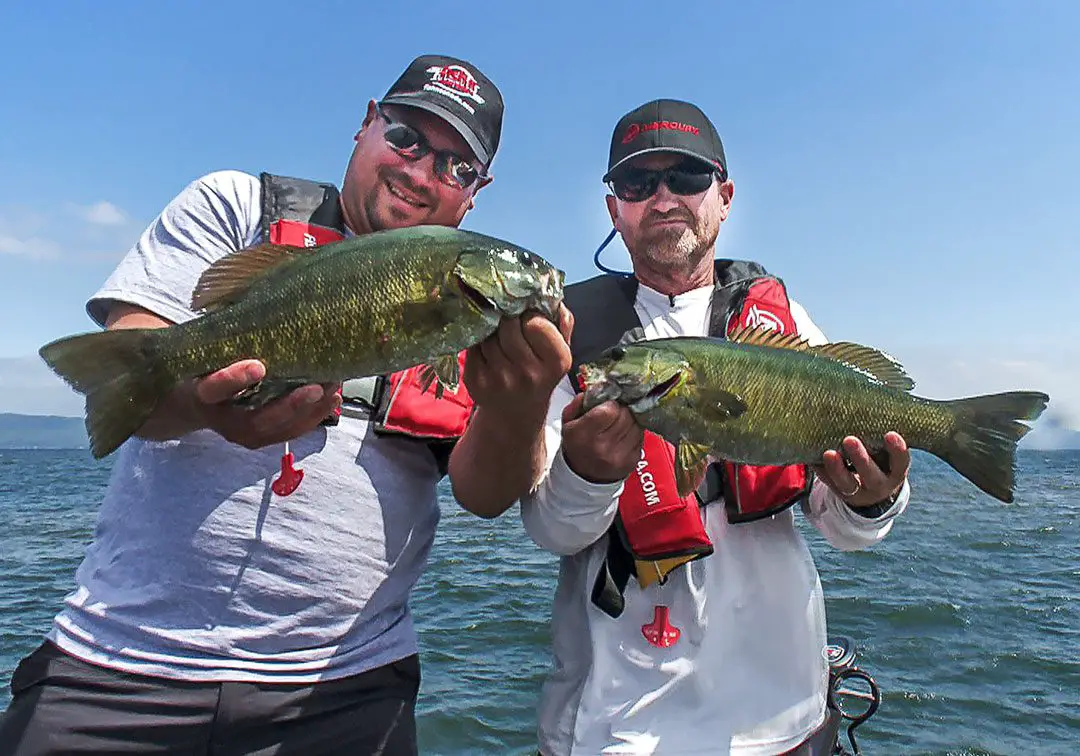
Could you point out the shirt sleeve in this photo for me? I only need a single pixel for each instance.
(565, 513)
(213, 216)
(841, 525)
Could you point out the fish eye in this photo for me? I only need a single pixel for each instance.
(617, 353)
(526, 259)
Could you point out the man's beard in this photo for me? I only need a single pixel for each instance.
(677, 246)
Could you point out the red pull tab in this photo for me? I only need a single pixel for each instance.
(290, 477)
(660, 632)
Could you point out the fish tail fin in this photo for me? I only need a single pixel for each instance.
(987, 429)
(121, 375)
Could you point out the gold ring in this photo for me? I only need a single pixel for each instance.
(854, 491)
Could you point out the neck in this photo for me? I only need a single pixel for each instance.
(354, 226)
(675, 281)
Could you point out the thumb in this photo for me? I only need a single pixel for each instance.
(573, 409)
(224, 384)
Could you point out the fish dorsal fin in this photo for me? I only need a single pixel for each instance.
(765, 336)
(634, 335)
(229, 278)
(874, 363)
(877, 364)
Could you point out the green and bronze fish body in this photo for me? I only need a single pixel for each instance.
(368, 305)
(767, 399)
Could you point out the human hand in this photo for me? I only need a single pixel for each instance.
(602, 445)
(514, 370)
(869, 484)
(280, 420)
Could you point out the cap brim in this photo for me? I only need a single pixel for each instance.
(679, 150)
(447, 115)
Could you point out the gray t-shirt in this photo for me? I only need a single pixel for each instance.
(197, 570)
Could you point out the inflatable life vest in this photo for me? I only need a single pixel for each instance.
(656, 530)
(303, 213)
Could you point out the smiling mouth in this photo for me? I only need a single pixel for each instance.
(401, 195)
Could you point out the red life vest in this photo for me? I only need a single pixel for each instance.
(656, 530)
(305, 213)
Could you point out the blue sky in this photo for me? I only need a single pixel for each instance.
(910, 168)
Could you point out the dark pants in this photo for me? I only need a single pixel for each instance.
(61, 705)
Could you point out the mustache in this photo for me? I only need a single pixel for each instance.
(673, 215)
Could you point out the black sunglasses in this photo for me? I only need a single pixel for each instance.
(450, 168)
(638, 184)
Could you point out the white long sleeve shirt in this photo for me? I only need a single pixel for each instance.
(748, 674)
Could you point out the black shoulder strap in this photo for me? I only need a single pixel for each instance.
(313, 202)
(603, 309)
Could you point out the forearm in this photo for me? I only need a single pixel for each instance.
(498, 460)
(566, 513)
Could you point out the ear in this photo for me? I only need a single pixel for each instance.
(727, 192)
(613, 210)
(372, 114)
(480, 184)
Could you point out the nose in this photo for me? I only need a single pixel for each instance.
(664, 201)
(421, 171)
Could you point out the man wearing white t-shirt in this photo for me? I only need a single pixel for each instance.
(722, 651)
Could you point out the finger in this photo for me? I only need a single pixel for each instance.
(475, 369)
(837, 476)
(222, 385)
(871, 477)
(899, 458)
(566, 323)
(602, 418)
(491, 348)
(628, 434)
(547, 343)
(276, 416)
(513, 343)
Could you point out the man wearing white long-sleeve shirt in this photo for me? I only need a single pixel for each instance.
(725, 653)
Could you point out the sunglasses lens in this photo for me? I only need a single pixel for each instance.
(688, 182)
(635, 185)
(404, 139)
(455, 171)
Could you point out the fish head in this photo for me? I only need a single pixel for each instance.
(639, 376)
(507, 281)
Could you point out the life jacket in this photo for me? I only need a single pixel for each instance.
(655, 530)
(305, 213)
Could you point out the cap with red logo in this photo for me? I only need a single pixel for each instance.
(457, 92)
(666, 126)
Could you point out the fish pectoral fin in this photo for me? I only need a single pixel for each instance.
(691, 463)
(444, 372)
(228, 279)
(877, 364)
(718, 405)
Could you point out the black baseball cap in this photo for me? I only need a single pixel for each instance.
(666, 126)
(456, 91)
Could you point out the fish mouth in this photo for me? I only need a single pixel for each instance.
(476, 298)
(660, 390)
(657, 392)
